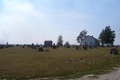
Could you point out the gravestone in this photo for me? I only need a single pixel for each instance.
(77, 47)
(40, 49)
(113, 51)
(6, 46)
(23, 46)
(84, 47)
(116, 46)
(58, 46)
(34, 47)
(73, 46)
(47, 50)
(67, 46)
(28, 45)
(90, 47)
(12, 45)
(31, 46)
(54, 47)
(1, 47)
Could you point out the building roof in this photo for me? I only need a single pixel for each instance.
(91, 37)
(48, 41)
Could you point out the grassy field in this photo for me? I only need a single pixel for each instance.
(25, 63)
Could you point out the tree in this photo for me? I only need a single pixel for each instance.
(102, 37)
(81, 36)
(107, 36)
(60, 41)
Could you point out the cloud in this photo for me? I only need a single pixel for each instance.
(13, 21)
(22, 21)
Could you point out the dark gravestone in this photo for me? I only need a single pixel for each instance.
(77, 47)
(90, 47)
(40, 49)
(58, 46)
(68, 46)
(9, 45)
(31, 46)
(54, 47)
(84, 47)
(28, 45)
(34, 47)
(1, 47)
(44, 46)
(23, 46)
(12, 45)
(113, 51)
(116, 46)
(6, 46)
(38, 46)
(47, 50)
(73, 46)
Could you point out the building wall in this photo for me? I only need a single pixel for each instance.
(89, 41)
(48, 43)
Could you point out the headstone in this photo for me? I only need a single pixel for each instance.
(28, 45)
(113, 51)
(47, 50)
(84, 47)
(77, 47)
(17, 45)
(1, 47)
(44, 46)
(54, 47)
(58, 46)
(40, 49)
(34, 47)
(23, 46)
(73, 46)
(116, 46)
(31, 46)
(90, 47)
(6, 46)
(67, 46)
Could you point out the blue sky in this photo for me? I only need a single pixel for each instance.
(34, 21)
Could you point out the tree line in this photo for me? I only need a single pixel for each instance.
(107, 36)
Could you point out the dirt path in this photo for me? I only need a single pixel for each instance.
(114, 75)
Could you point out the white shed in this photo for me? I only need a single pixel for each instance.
(89, 40)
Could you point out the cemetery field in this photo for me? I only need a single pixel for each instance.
(18, 62)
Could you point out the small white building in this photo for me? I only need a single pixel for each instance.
(90, 40)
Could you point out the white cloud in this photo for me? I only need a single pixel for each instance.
(23, 22)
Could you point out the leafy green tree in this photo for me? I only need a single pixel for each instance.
(102, 37)
(107, 36)
(81, 36)
(60, 41)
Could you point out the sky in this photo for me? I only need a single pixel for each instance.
(34, 21)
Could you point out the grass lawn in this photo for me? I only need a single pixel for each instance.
(23, 63)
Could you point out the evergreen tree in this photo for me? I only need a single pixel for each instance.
(60, 41)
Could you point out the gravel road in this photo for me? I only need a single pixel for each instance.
(114, 75)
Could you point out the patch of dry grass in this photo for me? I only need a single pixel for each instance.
(30, 63)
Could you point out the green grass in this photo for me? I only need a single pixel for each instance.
(59, 63)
